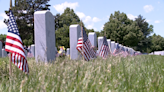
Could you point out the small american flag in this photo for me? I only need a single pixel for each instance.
(14, 45)
(123, 52)
(117, 50)
(104, 50)
(84, 46)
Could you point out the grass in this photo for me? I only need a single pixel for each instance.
(133, 74)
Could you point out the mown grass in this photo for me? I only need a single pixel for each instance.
(133, 74)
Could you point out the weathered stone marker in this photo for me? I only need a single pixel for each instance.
(44, 36)
(93, 38)
(0, 49)
(25, 52)
(33, 49)
(109, 44)
(68, 52)
(100, 41)
(4, 53)
(74, 33)
(112, 46)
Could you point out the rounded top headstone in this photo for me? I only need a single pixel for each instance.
(74, 25)
(91, 33)
(100, 37)
(108, 40)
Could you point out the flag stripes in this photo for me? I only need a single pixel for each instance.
(104, 50)
(84, 47)
(14, 45)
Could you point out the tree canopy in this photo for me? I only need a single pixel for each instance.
(119, 28)
(23, 11)
(133, 33)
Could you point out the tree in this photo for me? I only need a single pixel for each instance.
(157, 43)
(62, 23)
(2, 37)
(23, 11)
(122, 30)
(146, 30)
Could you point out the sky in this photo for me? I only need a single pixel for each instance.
(95, 13)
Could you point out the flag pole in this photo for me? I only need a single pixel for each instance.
(104, 33)
(82, 39)
(10, 67)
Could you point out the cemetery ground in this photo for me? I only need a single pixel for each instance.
(139, 73)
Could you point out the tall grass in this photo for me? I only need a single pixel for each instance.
(115, 74)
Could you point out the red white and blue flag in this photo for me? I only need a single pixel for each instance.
(117, 50)
(123, 52)
(104, 50)
(14, 45)
(84, 46)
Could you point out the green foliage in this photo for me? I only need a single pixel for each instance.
(62, 23)
(128, 32)
(23, 11)
(157, 43)
(3, 37)
(122, 30)
(141, 73)
(146, 29)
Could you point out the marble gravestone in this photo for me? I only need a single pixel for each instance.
(93, 38)
(100, 41)
(0, 49)
(4, 53)
(74, 33)
(109, 44)
(112, 46)
(68, 52)
(129, 50)
(125, 48)
(25, 52)
(56, 50)
(33, 50)
(44, 36)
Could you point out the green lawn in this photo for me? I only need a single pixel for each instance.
(133, 74)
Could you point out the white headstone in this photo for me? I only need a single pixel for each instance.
(93, 38)
(112, 46)
(4, 53)
(109, 43)
(25, 52)
(74, 33)
(0, 49)
(56, 50)
(68, 52)
(100, 41)
(33, 49)
(44, 26)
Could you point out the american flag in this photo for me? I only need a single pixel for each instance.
(123, 52)
(84, 46)
(126, 50)
(117, 50)
(14, 45)
(104, 50)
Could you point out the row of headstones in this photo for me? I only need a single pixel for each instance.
(157, 53)
(3, 53)
(74, 31)
(45, 38)
(45, 43)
